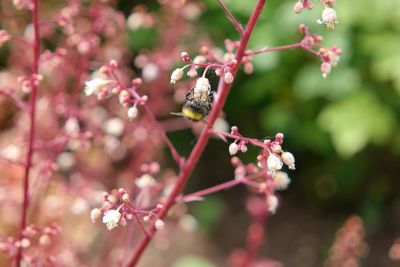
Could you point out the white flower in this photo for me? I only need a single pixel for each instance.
(132, 112)
(145, 180)
(281, 180)
(274, 163)
(93, 87)
(159, 224)
(202, 85)
(228, 77)
(272, 202)
(329, 18)
(95, 214)
(233, 149)
(176, 75)
(288, 159)
(111, 219)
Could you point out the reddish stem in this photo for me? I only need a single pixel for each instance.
(230, 16)
(197, 151)
(32, 111)
(269, 49)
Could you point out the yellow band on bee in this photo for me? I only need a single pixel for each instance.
(191, 115)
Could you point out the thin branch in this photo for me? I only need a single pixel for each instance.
(17, 101)
(11, 161)
(32, 111)
(269, 49)
(205, 135)
(230, 16)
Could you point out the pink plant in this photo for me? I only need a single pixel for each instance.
(62, 133)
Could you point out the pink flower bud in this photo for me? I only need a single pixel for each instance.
(298, 7)
(228, 77)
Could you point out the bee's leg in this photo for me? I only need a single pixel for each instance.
(211, 96)
(190, 95)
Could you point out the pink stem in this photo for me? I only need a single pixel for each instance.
(210, 190)
(269, 49)
(32, 109)
(230, 16)
(197, 151)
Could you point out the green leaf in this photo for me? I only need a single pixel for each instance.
(356, 121)
(310, 84)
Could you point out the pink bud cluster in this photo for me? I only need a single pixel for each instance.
(110, 85)
(266, 175)
(349, 245)
(329, 56)
(33, 236)
(119, 206)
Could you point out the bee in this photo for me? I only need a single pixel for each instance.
(197, 106)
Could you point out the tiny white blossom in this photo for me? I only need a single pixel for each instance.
(288, 159)
(329, 18)
(228, 77)
(202, 85)
(93, 87)
(111, 219)
(233, 149)
(274, 163)
(95, 214)
(145, 180)
(176, 75)
(132, 112)
(281, 180)
(159, 224)
(272, 202)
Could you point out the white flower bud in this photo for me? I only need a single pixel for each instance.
(329, 18)
(111, 219)
(145, 180)
(132, 112)
(93, 87)
(95, 214)
(281, 180)
(159, 224)
(272, 203)
(176, 75)
(274, 163)
(228, 77)
(233, 149)
(202, 85)
(288, 159)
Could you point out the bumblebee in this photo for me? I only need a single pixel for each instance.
(197, 106)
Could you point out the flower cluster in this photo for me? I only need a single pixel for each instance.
(329, 56)
(266, 176)
(107, 84)
(33, 236)
(328, 16)
(119, 207)
(349, 245)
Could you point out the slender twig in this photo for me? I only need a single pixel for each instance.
(269, 49)
(198, 149)
(32, 111)
(17, 101)
(11, 161)
(230, 16)
(220, 187)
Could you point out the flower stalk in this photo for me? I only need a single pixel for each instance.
(32, 111)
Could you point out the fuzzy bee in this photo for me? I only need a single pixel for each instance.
(198, 105)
